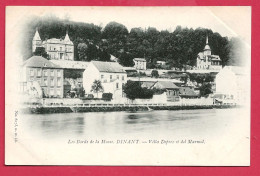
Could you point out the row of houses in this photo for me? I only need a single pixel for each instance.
(61, 75)
(47, 78)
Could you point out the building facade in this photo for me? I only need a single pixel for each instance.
(140, 63)
(205, 60)
(40, 78)
(57, 49)
(111, 75)
(232, 85)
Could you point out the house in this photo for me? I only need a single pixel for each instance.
(41, 78)
(57, 49)
(160, 62)
(172, 91)
(207, 61)
(73, 71)
(111, 75)
(130, 71)
(187, 92)
(140, 63)
(232, 82)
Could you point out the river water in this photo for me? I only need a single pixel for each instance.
(201, 123)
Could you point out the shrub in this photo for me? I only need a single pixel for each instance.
(134, 90)
(107, 96)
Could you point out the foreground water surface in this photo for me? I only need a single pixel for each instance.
(203, 123)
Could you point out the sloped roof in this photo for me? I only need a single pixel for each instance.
(207, 47)
(147, 84)
(187, 91)
(235, 69)
(36, 36)
(165, 85)
(139, 59)
(215, 57)
(109, 67)
(39, 61)
(71, 64)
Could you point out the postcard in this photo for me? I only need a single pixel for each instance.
(128, 86)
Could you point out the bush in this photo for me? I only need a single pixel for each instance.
(134, 90)
(155, 73)
(107, 96)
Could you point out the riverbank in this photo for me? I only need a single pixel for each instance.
(48, 110)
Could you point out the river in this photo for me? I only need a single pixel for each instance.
(201, 123)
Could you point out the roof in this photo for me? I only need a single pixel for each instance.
(71, 64)
(113, 58)
(66, 40)
(66, 82)
(188, 92)
(235, 69)
(215, 57)
(145, 79)
(147, 84)
(36, 36)
(140, 59)
(39, 61)
(109, 67)
(130, 68)
(207, 47)
(165, 85)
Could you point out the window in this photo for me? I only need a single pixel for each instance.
(31, 72)
(58, 82)
(58, 92)
(45, 81)
(39, 81)
(111, 77)
(45, 73)
(52, 82)
(61, 48)
(51, 92)
(123, 78)
(117, 85)
(117, 76)
(52, 73)
(58, 73)
(102, 76)
(39, 72)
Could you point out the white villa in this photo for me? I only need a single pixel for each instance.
(232, 85)
(111, 74)
(206, 61)
(57, 49)
(140, 63)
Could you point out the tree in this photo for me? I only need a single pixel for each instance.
(126, 59)
(82, 51)
(134, 90)
(155, 74)
(40, 51)
(205, 89)
(97, 87)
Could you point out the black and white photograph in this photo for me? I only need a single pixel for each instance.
(128, 86)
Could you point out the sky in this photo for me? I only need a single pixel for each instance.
(228, 21)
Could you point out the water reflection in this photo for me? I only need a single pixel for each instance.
(112, 124)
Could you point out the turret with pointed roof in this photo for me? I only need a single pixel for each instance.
(67, 39)
(207, 50)
(57, 49)
(37, 42)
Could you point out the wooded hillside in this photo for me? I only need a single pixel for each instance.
(92, 42)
